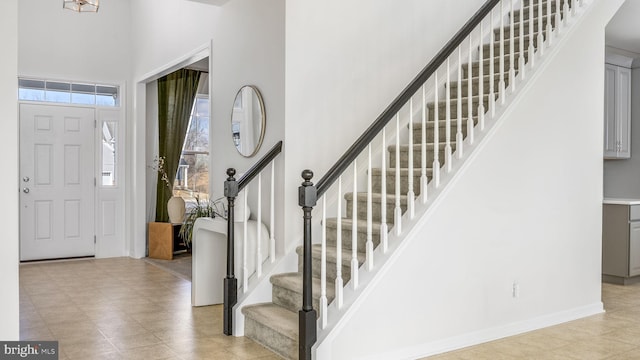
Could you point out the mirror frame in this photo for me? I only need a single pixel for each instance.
(263, 120)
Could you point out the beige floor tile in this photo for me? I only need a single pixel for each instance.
(156, 352)
(125, 343)
(89, 349)
(593, 349)
(629, 355)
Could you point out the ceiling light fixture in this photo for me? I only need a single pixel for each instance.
(81, 5)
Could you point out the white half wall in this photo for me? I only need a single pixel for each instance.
(527, 209)
(9, 308)
(346, 62)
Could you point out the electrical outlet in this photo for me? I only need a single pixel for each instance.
(515, 290)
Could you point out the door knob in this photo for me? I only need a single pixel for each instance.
(26, 179)
(25, 190)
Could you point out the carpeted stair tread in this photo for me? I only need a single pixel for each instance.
(347, 223)
(293, 282)
(404, 172)
(347, 232)
(316, 253)
(376, 197)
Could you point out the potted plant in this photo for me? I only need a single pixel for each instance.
(202, 208)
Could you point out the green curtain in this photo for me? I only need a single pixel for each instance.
(176, 94)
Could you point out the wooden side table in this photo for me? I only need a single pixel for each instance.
(164, 240)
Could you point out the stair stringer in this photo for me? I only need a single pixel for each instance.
(346, 320)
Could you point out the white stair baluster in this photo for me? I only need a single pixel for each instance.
(354, 228)
(398, 210)
(459, 137)
(521, 60)
(272, 238)
(259, 229)
(540, 29)
(384, 229)
(574, 8)
(512, 50)
(565, 10)
(481, 80)
(492, 97)
(501, 83)
(339, 282)
(531, 34)
(470, 121)
(369, 245)
(549, 22)
(410, 192)
(436, 136)
(423, 142)
(447, 126)
(558, 17)
(245, 269)
(323, 266)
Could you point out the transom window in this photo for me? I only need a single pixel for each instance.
(68, 92)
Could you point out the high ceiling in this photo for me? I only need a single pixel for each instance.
(623, 32)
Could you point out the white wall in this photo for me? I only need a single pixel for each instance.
(9, 182)
(62, 44)
(247, 39)
(346, 62)
(526, 209)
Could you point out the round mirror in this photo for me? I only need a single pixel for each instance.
(248, 120)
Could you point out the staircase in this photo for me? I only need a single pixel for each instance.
(275, 324)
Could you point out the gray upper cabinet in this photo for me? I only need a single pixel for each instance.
(617, 112)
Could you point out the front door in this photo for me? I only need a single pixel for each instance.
(57, 183)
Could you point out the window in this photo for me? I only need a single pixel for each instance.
(192, 177)
(68, 93)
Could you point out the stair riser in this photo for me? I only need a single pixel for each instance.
(331, 269)
(292, 300)
(417, 133)
(417, 154)
(526, 3)
(475, 87)
(516, 26)
(536, 8)
(271, 339)
(525, 16)
(376, 210)
(404, 183)
(346, 238)
(486, 48)
(442, 115)
(486, 67)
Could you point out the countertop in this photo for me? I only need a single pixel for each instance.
(613, 201)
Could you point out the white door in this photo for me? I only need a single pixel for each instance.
(56, 182)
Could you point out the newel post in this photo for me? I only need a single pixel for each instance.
(307, 197)
(230, 281)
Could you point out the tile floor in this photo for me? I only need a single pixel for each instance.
(614, 334)
(124, 308)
